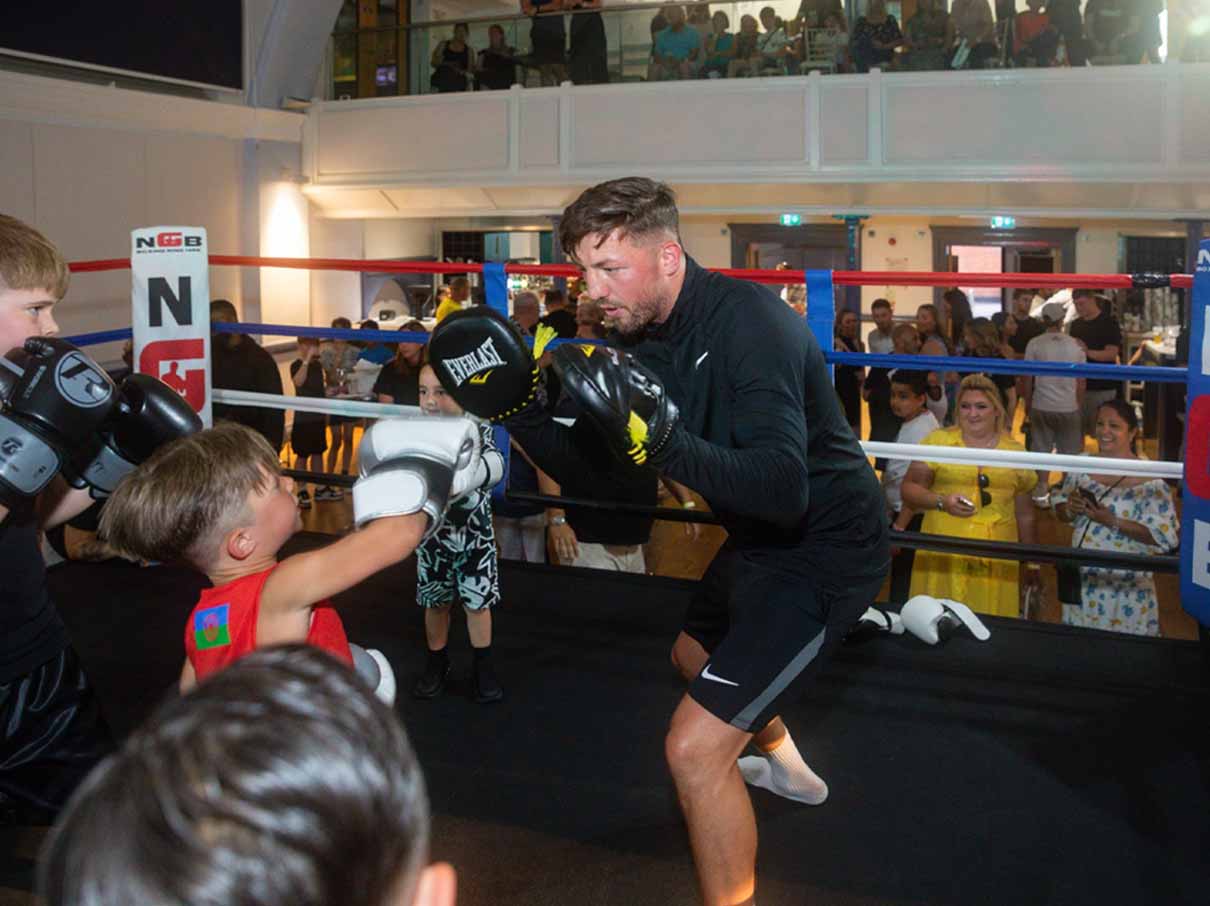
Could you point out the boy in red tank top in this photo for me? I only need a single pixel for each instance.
(218, 501)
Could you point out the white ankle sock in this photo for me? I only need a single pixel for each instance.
(784, 772)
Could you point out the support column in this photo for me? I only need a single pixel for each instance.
(852, 294)
(557, 256)
(1194, 230)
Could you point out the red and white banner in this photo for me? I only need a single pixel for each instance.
(170, 297)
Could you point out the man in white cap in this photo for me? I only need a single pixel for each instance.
(1053, 403)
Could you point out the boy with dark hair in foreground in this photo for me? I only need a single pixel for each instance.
(281, 781)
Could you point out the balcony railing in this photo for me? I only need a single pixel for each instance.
(623, 44)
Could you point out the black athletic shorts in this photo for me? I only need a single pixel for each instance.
(53, 733)
(769, 629)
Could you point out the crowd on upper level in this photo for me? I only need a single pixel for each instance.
(692, 41)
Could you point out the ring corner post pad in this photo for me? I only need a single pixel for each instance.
(170, 310)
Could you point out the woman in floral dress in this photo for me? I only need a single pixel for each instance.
(1111, 513)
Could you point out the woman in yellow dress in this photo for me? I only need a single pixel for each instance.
(969, 501)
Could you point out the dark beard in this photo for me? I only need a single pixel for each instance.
(643, 314)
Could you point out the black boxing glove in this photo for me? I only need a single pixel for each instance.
(483, 362)
(622, 397)
(56, 398)
(148, 415)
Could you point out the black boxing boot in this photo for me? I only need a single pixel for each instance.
(436, 672)
(487, 686)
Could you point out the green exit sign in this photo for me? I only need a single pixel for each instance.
(791, 220)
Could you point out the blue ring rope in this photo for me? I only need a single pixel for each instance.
(1011, 366)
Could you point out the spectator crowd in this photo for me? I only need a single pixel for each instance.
(691, 41)
(978, 409)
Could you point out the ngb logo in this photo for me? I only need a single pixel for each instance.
(168, 240)
(1203, 259)
(181, 364)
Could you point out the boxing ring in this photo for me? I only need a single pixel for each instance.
(1193, 563)
(1052, 765)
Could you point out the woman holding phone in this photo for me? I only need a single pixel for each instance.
(1114, 513)
(969, 501)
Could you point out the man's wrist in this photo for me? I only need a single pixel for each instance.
(556, 518)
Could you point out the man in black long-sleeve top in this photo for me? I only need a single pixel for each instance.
(238, 362)
(764, 441)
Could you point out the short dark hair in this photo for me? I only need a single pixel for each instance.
(635, 206)
(880, 303)
(281, 774)
(914, 380)
(342, 323)
(1021, 291)
(223, 307)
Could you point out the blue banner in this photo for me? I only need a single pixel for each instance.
(821, 308)
(1149, 373)
(1195, 519)
(500, 436)
(495, 286)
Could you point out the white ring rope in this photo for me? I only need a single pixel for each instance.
(1058, 462)
(352, 408)
(1102, 465)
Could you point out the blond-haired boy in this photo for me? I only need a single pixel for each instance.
(218, 501)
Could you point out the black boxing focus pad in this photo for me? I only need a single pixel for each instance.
(483, 362)
(624, 398)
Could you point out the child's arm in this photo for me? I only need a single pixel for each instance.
(410, 470)
(493, 459)
(305, 579)
(188, 678)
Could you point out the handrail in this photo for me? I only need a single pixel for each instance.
(516, 17)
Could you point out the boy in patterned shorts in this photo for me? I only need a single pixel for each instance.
(458, 563)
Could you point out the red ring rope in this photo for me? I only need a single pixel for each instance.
(839, 278)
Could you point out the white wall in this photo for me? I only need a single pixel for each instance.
(708, 241)
(1098, 247)
(896, 244)
(87, 164)
(86, 188)
(400, 239)
(335, 293)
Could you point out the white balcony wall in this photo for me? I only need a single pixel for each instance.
(1116, 126)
